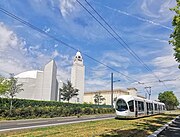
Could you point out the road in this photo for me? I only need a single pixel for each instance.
(45, 122)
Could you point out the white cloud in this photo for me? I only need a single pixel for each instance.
(67, 7)
(16, 56)
(164, 61)
(98, 77)
(8, 39)
(11, 49)
(157, 9)
(97, 84)
(164, 67)
(140, 18)
(115, 59)
(47, 30)
(55, 54)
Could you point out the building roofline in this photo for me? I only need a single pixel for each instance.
(106, 91)
(132, 89)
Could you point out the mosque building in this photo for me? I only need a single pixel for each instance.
(39, 85)
(43, 85)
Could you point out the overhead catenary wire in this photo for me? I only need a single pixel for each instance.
(125, 47)
(62, 42)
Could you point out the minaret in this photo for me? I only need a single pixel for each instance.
(77, 77)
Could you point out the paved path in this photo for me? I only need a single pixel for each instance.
(36, 123)
(173, 130)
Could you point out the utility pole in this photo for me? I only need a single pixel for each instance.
(112, 90)
(112, 94)
(148, 91)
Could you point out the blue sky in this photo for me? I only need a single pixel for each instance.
(145, 25)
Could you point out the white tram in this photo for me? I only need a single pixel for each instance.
(128, 106)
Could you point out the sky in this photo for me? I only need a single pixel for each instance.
(144, 25)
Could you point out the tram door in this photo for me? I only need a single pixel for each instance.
(136, 109)
(147, 108)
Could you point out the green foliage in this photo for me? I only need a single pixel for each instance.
(175, 41)
(169, 99)
(34, 109)
(14, 87)
(18, 103)
(4, 85)
(98, 98)
(67, 91)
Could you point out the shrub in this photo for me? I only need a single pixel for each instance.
(34, 109)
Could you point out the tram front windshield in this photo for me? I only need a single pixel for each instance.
(121, 105)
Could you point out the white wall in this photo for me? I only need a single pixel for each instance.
(49, 82)
(29, 85)
(39, 86)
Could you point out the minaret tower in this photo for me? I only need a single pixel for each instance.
(77, 77)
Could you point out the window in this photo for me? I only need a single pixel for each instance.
(151, 106)
(121, 105)
(131, 105)
(155, 106)
(141, 106)
(147, 106)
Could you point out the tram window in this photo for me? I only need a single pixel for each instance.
(155, 106)
(142, 103)
(151, 106)
(141, 106)
(131, 105)
(121, 105)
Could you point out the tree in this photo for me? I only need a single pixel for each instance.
(68, 91)
(175, 41)
(98, 98)
(4, 85)
(169, 99)
(13, 89)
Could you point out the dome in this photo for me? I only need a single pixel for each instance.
(28, 74)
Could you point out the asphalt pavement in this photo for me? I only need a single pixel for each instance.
(44, 122)
(172, 130)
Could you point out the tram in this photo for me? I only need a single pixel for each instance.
(128, 106)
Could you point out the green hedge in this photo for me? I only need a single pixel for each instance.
(34, 109)
(18, 103)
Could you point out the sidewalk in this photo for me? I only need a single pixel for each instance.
(171, 129)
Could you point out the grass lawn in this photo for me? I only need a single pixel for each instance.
(103, 128)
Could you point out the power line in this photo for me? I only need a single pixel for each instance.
(126, 47)
(60, 41)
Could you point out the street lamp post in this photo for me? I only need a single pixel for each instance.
(112, 89)
(112, 81)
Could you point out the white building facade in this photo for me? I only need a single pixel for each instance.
(39, 85)
(77, 78)
(89, 96)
